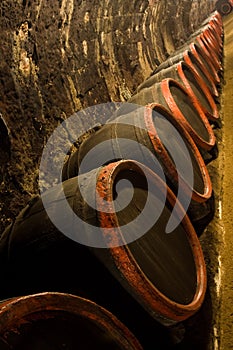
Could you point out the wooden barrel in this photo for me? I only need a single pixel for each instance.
(209, 39)
(140, 128)
(214, 27)
(217, 22)
(207, 48)
(184, 73)
(218, 42)
(174, 96)
(206, 27)
(196, 63)
(199, 51)
(51, 321)
(213, 16)
(208, 69)
(214, 24)
(145, 132)
(213, 31)
(211, 75)
(164, 273)
(210, 52)
(224, 7)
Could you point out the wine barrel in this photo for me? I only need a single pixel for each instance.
(208, 27)
(194, 84)
(216, 17)
(174, 96)
(209, 39)
(164, 273)
(215, 31)
(145, 132)
(212, 30)
(217, 26)
(224, 7)
(215, 23)
(205, 33)
(218, 42)
(210, 53)
(207, 48)
(196, 62)
(139, 128)
(51, 321)
(198, 49)
(192, 59)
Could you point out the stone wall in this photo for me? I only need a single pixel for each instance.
(60, 56)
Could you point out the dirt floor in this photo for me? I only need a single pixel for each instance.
(226, 315)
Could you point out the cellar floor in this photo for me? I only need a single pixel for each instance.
(226, 306)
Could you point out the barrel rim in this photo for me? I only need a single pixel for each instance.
(220, 7)
(210, 43)
(199, 197)
(165, 87)
(198, 48)
(212, 116)
(156, 303)
(187, 58)
(14, 309)
(216, 40)
(210, 40)
(211, 62)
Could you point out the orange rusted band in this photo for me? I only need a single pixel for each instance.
(209, 53)
(14, 311)
(188, 60)
(165, 87)
(204, 56)
(157, 304)
(196, 196)
(180, 69)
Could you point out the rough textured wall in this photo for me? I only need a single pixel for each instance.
(59, 56)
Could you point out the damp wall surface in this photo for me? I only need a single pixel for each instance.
(60, 56)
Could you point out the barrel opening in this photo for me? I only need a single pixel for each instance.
(166, 260)
(54, 320)
(178, 151)
(49, 329)
(188, 110)
(128, 187)
(200, 71)
(204, 60)
(226, 8)
(199, 93)
(208, 43)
